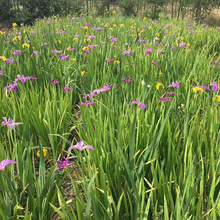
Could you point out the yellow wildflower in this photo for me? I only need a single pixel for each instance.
(3, 58)
(1, 33)
(111, 29)
(85, 48)
(196, 89)
(122, 25)
(150, 27)
(74, 59)
(159, 85)
(157, 34)
(86, 27)
(44, 151)
(188, 45)
(75, 39)
(25, 45)
(59, 42)
(14, 25)
(105, 25)
(116, 61)
(82, 73)
(113, 12)
(216, 96)
(145, 18)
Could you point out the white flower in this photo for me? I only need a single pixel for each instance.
(142, 83)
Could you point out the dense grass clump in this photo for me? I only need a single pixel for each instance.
(124, 110)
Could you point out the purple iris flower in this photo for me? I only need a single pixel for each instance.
(86, 103)
(166, 99)
(113, 39)
(80, 146)
(5, 163)
(192, 31)
(67, 88)
(182, 44)
(160, 52)
(54, 82)
(142, 41)
(127, 80)
(63, 163)
(63, 57)
(31, 78)
(56, 51)
(10, 123)
(149, 50)
(104, 89)
(92, 46)
(109, 60)
(9, 60)
(215, 86)
(216, 64)
(22, 78)
(17, 52)
(45, 44)
(11, 87)
(174, 84)
(155, 63)
(141, 105)
(127, 52)
(98, 29)
(218, 28)
(91, 37)
(194, 18)
(169, 93)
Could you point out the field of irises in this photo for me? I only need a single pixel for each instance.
(123, 111)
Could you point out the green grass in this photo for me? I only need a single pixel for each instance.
(161, 162)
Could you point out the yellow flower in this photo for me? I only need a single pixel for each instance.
(150, 27)
(89, 40)
(196, 89)
(86, 27)
(82, 73)
(159, 85)
(157, 34)
(68, 48)
(44, 151)
(14, 25)
(188, 45)
(181, 38)
(114, 25)
(75, 39)
(160, 73)
(67, 25)
(111, 29)
(19, 38)
(1, 33)
(113, 12)
(3, 58)
(122, 25)
(216, 96)
(85, 48)
(25, 45)
(105, 25)
(145, 18)
(116, 61)
(74, 59)
(59, 42)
